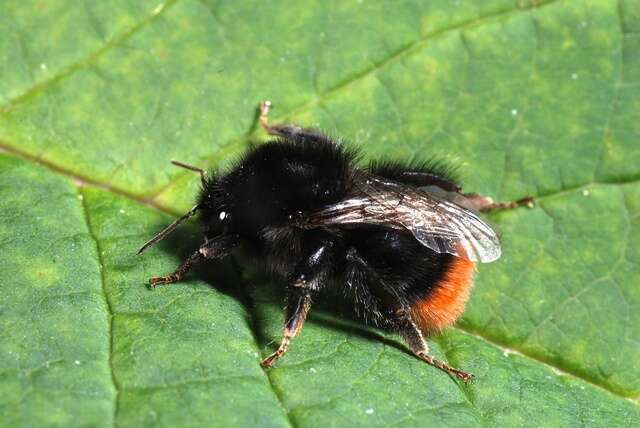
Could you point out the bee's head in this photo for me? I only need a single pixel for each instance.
(216, 207)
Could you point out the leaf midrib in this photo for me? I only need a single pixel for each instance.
(107, 301)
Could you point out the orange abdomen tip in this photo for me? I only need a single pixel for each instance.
(444, 305)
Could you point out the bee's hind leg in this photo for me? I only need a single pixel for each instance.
(288, 130)
(486, 204)
(415, 340)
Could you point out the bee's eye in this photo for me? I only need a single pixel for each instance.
(222, 215)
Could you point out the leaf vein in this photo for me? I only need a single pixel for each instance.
(406, 50)
(614, 99)
(108, 303)
(88, 60)
(560, 371)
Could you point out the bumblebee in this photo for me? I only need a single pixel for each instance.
(399, 240)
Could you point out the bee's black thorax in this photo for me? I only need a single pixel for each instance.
(276, 180)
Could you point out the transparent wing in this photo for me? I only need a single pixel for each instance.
(437, 223)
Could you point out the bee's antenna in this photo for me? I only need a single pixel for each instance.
(167, 230)
(189, 167)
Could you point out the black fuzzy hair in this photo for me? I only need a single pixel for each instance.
(283, 176)
(394, 169)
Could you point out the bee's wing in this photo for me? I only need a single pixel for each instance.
(438, 224)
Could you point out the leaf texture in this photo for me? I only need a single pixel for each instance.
(524, 97)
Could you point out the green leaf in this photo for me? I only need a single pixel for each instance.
(526, 97)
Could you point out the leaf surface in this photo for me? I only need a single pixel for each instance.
(535, 98)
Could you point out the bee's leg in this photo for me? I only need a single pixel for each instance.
(298, 304)
(288, 129)
(307, 279)
(486, 204)
(215, 248)
(281, 130)
(179, 273)
(414, 338)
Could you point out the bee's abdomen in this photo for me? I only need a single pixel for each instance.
(446, 299)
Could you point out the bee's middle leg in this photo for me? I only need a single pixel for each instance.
(298, 305)
(307, 279)
(288, 130)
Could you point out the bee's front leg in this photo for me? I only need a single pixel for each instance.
(179, 273)
(215, 248)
